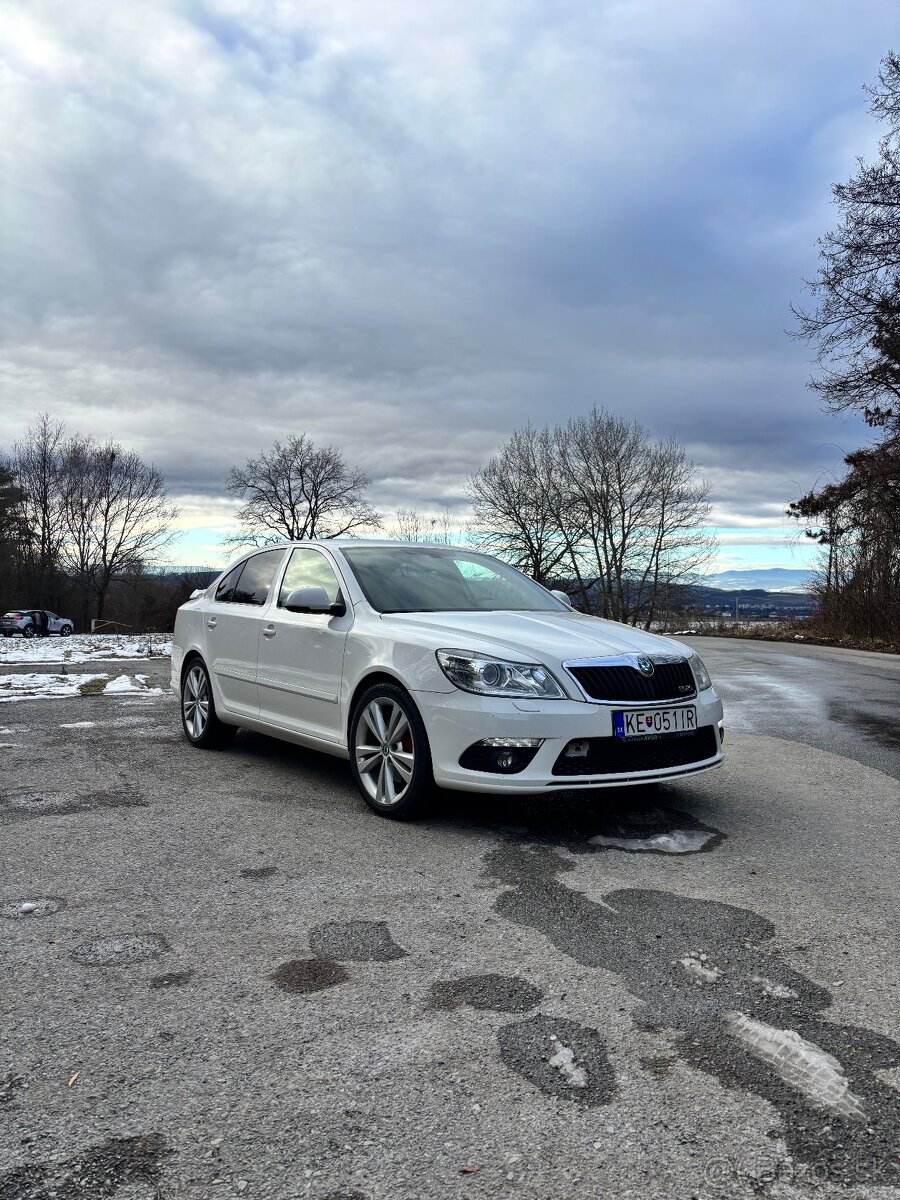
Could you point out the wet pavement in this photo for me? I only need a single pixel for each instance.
(844, 701)
(224, 977)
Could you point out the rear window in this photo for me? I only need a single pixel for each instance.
(13, 614)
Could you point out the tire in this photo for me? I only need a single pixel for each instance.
(395, 776)
(66, 631)
(201, 725)
(28, 631)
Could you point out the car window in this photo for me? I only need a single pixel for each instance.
(256, 578)
(432, 579)
(309, 568)
(225, 590)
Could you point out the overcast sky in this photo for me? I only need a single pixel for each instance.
(407, 228)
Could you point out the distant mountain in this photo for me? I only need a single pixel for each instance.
(770, 579)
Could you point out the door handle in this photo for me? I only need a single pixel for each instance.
(211, 623)
(269, 631)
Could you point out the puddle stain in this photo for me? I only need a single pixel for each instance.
(31, 906)
(302, 976)
(494, 993)
(560, 1057)
(119, 950)
(171, 979)
(641, 935)
(258, 872)
(94, 1174)
(354, 941)
(884, 730)
(24, 806)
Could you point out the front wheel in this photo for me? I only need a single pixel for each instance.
(389, 753)
(66, 631)
(201, 725)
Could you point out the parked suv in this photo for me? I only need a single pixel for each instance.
(34, 622)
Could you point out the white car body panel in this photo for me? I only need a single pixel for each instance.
(300, 684)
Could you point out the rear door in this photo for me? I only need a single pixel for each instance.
(301, 655)
(231, 629)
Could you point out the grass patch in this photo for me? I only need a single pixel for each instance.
(93, 687)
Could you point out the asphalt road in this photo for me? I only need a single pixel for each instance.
(236, 981)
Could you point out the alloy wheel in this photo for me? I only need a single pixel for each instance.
(195, 701)
(385, 756)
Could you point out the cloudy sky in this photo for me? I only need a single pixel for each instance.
(407, 228)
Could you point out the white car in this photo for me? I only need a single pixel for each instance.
(431, 664)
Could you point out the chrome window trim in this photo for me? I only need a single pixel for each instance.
(628, 660)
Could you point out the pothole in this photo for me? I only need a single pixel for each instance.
(32, 906)
(119, 950)
(305, 975)
(676, 841)
(23, 806)
(258, 872)
(496, 993)
(171, 979)
(559, 1057)
(354, 941)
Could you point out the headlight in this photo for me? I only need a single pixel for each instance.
(701, 675)
(488, 676)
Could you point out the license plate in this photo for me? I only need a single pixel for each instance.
(655, 722)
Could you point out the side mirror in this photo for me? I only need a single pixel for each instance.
(313, 599)
(561, 596)
(195, 593)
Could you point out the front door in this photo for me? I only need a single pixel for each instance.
(301, 655)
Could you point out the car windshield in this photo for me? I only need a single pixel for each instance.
(435, 579)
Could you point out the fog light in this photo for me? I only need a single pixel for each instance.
(501, 755)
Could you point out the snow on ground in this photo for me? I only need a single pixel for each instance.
(678, 841)
(800, 1064)
(53, 687)
(84, 647)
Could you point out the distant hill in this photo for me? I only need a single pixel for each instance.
(770, 579)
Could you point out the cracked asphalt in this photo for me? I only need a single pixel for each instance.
(222, 976)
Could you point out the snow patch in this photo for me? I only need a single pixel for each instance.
(80, 725)
(777, 990)
(800, 1064)
(52, 687)
(677, 841)
(564, 1061)
(699, 968)
(84, 647)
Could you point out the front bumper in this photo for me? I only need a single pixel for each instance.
(456, 720)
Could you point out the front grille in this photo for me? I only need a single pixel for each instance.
(625, 684)
(616, 756)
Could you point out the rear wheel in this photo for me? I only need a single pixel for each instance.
(389, 753)
(28, 631)
(201, 725)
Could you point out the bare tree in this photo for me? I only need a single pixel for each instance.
(598, 503)
(298, 490)
(117, 514)
(36, 465)
(410, 525)
(856, 321)
(515, 505)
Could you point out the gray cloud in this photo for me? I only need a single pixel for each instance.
(225, 221)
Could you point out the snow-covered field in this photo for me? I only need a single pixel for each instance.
(84, 647)
(39, 686)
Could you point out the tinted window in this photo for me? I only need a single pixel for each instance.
(400, 579)
(256, 578)
(309, 568)
(225, 590)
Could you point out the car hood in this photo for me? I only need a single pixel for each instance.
(549, 637)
